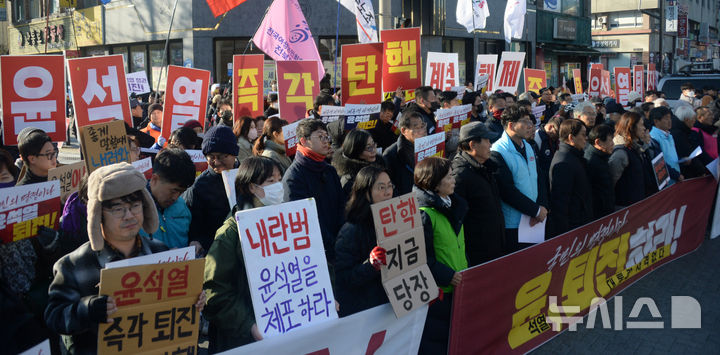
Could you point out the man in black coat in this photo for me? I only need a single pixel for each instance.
(686, 140)
(311, 176)
(426, 103)
(570, 190)
(383, 133)
(597, 153)
(474, 181)
(400, 157)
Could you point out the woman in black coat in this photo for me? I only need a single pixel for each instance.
(358, 284)
(358, 151)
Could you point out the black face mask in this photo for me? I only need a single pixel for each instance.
(434, 106)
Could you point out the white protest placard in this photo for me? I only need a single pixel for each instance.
(290, 136)
(460, 90)
(373, 331)
(443, 119)
(228, 177)
(485, 69)
(430, 146)
(692, 155)
(170, 256)
(411, 290)
(538, 113)
(286, 266)
(362, 116)
(198, 158)
(137, 82)
(40, 349)
(144, 166)
(576, 98)
(713, 168)
(25, 208)
(441, 70)
(509, 70)
(715, 229)
(461, 115)
(330, 113)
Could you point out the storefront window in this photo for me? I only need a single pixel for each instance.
(157, 65)
(457, 46)
(176, 54)
(571, 7)
(124, 51)
(224, 51)
(137, 58)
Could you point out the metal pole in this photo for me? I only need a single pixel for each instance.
(475, 46)
(337, 44)
(47, 24)
(662, 32)
(167, 41)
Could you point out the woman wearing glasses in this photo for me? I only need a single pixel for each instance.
(38, 154)
(358, 151)
(358, 284)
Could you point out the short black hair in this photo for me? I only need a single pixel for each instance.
(423, 92)
(469, 98)
(307, 126)
(524, 103)
(513, 113)
(448, 96)
(387, 106)
(657, 113)
(174, 166)
(129, 198)
(687, 86)
(32, 143)
(226, 102)
(253, 170)
(323, 98)
(494, 98)
(430, 171)
(570, 127)
(187, 137)
(406, 117)
(647, 106)
(565, 97)
(355, 142)
(601, 132)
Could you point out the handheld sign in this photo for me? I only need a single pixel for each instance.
(104, 144)
(144, 166)
(286, 266)
(430, 146)
(25, 208)
(662, 177)
(185, 99)
(577, 79)
(228, 177)
(291, 139)
(362, 67)
(401, 61)
(69, 177)
(485, 72)
(247, 81)
(298, 85)
(361, 116)
(508, 74)
(329, 113)
(198, 158)
(137, 82)
(442, 70)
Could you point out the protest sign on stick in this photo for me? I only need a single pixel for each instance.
(430, 146)
(23, 209)
(104, 144)
(69, 177)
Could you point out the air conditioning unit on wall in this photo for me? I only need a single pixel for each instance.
(602, 20)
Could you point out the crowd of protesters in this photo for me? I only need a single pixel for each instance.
(566, 166)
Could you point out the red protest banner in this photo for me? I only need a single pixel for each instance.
(25, 208)
(638, 80)
(596, 66)
(362, 66)
(33, 95)
(248, 85)
(99, 90)
(568, 272)
(401, 63)
(442, 71)
(622, 85)
(185, 98)
(298, 84)
(651, 77)
(535, 80)
(605, 83)
(578, 81)
(595, 79)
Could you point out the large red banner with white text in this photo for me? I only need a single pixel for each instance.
(511, 304)
(185, 99)
(622, 85)
(33, 95)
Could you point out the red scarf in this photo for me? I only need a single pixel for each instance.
(310, 154)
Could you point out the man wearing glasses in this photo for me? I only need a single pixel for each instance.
(118, 206)
(311, 176)
(38, 154)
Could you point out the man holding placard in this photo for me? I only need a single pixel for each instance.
(118, 206)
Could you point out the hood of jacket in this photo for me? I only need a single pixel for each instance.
(455, 214)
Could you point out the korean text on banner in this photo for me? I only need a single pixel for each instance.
(104, 144)
(298, 85)
(486, 65)
(362, 67)
(144, 166)
(69, 177)
(535, 80)
(568, 272)
(156, 308)
(198, 158)
(247, 82)
(361, 116)
(365, 19)
(662, 176)
(430, 146)
(652, 77)
(605, 83)
(638, 80)
(285, 35)
(595, 79)
(402, 61)
(137, 82)
(33, 95)
(185, 99)
(373, 331)
(25, 208)
(99, 89)
(577, 79)
(284, 242)
(596, 66)
(291, 139)
(508, 73)
(622, 85)
(443, 119)
(441, 71)
(329, 113)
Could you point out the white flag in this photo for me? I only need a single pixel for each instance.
(514, 19)
(364, 17)
(467, 9)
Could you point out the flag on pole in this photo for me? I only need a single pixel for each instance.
(514, 19)
(365, 19)
(285, 35)
(467, 9)
(218, 7)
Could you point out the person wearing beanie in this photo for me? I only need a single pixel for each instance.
(194, 125)
(118, 206)
(38, 154)
(311, 176)
(206, 198)
(154, 127)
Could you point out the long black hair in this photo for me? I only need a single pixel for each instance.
(355, 143)
(357, 209)
(253, 170)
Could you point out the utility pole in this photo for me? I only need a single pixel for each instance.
(662, 32)
(385, 16)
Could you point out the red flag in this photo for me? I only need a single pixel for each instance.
(33, 95)
(219, 7)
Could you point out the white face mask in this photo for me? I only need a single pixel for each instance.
(252, 134)
(691, 94)
(274, 194)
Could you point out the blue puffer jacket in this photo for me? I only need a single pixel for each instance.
(174, 225)
(524, 175)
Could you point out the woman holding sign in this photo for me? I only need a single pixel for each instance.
(442, 213)
(229, 305)
(358, 284)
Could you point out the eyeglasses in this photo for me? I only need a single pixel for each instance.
(527, 122)
(50, 156)
(119, 211)
(371, 147)
(323, 138)
(384, 188)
